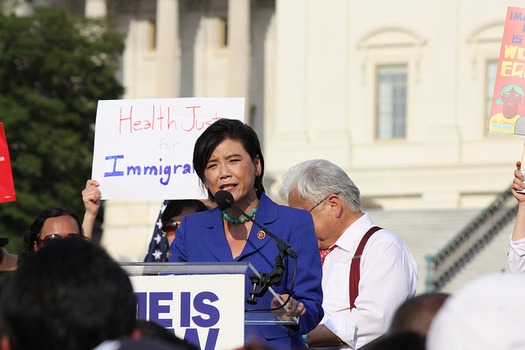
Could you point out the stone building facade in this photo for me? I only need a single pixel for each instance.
(395, 92)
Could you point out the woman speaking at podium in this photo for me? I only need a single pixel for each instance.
(228, 157)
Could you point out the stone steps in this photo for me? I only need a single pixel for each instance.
(427, 231)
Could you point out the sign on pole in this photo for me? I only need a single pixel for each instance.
(507, 108)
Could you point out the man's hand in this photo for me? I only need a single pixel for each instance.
(322, 336)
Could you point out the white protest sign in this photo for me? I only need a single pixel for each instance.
(144, 147)
(206, 310)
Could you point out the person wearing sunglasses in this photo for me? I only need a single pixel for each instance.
(51, 225)
(171, 213)
(91, 196)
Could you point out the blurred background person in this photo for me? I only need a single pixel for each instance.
(69, 295)
(170, 216)
(153, 330)
(411, 322)
(416, 314)
(51, 225)
(91, 196)
(486, 313)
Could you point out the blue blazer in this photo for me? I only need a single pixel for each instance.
(201, 238)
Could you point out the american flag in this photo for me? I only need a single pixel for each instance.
(158, 247)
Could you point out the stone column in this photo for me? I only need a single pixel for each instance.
(96, 8)
(239, 50)
(168, 49)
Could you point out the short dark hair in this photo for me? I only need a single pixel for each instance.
(219, 131)
(176, 206)
(416, 314)
(151, 329)
(70, 295)
(33, 234)
(405, 340)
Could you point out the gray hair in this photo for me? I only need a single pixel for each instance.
(318, 178)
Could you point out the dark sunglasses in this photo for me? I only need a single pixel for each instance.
(55, 237)
(170, 226)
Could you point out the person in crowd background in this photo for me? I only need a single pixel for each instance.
(51, 225)
(416, 314)
(90, 196)
(142, 343)
(387, 269)
(405, 340)
(69, 295)
(170, 216)
(228, 157)
(8, 261)
(516, 251)
(151, 329)
(410, 324)
(486, 313)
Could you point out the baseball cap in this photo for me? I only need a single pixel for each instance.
(487, 313)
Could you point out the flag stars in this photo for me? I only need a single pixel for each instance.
(157, 254)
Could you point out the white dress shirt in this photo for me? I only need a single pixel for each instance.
(388, 278)
(516, 255)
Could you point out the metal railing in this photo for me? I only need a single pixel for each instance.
(460, 250)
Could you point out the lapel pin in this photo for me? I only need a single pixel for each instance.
(261, 234)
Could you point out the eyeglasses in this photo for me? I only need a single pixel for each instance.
(55, 237)
(321, 201)
(170, 226)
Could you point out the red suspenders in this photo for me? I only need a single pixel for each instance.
(355, 269)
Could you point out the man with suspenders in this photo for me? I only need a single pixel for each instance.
(368, 271)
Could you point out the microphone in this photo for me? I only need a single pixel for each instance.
(224, 199)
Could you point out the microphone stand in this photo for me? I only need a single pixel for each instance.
(266, 280)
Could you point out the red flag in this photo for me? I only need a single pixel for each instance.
(7, 186)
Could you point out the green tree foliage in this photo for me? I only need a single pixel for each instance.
(53, 70)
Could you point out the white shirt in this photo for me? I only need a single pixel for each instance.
(516, 255)
(388, 278)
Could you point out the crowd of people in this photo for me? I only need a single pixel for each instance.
(355, 285)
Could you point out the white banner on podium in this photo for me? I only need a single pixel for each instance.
(206, 310)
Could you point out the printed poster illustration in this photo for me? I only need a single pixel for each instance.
(507, 109)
